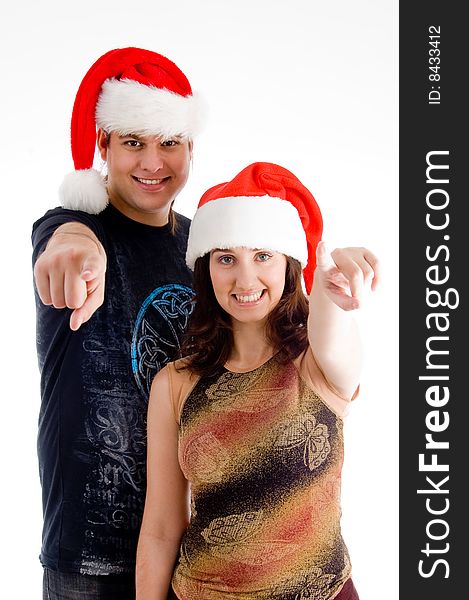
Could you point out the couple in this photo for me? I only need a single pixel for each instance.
(248, 426)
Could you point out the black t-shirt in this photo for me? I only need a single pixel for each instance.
(94, 390)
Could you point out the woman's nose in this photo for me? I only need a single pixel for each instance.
(246, 277)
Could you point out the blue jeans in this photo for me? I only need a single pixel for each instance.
(73, 586)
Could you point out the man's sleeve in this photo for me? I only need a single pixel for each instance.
(44, 227)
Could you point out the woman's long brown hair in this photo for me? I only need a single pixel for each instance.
(208, 341)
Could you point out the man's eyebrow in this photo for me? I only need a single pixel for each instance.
(132, 135)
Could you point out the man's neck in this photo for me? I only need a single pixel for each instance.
(157, 218)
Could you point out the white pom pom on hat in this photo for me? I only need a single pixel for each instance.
(84, 190)
(128, 91)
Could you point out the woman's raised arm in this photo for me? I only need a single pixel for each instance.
(341, 280)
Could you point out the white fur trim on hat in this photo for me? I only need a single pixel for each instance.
(248, 221)
(126, 106)
(84, 190)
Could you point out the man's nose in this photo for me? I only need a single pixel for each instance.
(151, 159)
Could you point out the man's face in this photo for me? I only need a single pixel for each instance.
(145, 174)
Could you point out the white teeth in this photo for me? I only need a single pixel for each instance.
(149, 181)
(249, 298)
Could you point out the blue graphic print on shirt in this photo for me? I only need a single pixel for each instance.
(173, 304)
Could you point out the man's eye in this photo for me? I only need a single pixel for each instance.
(169, 143)
(133, 143)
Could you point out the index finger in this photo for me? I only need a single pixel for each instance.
(87, 310)
(323, 258)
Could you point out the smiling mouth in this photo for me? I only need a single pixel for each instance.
(150, 181)
(245, 298)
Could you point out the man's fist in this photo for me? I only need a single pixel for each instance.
(71, 272)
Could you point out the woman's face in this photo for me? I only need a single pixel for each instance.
(248, 283)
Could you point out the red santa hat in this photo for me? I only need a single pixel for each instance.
(127, 91)
(264, 206)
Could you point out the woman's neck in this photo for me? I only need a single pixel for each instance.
(251, 347)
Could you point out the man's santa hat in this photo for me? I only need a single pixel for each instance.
(127, 91)
(264, 206)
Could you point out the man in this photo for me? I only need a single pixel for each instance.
(113, 297)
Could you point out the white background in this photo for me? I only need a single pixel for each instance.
(308, 84)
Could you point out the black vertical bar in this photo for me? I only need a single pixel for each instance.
(434, 257)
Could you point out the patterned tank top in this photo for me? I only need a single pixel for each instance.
(263, 454)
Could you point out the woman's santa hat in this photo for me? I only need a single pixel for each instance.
(264, 206)
(127, 91)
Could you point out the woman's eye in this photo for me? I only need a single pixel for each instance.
(263, 256)
(226, 260)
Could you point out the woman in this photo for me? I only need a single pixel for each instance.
(245, 443)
